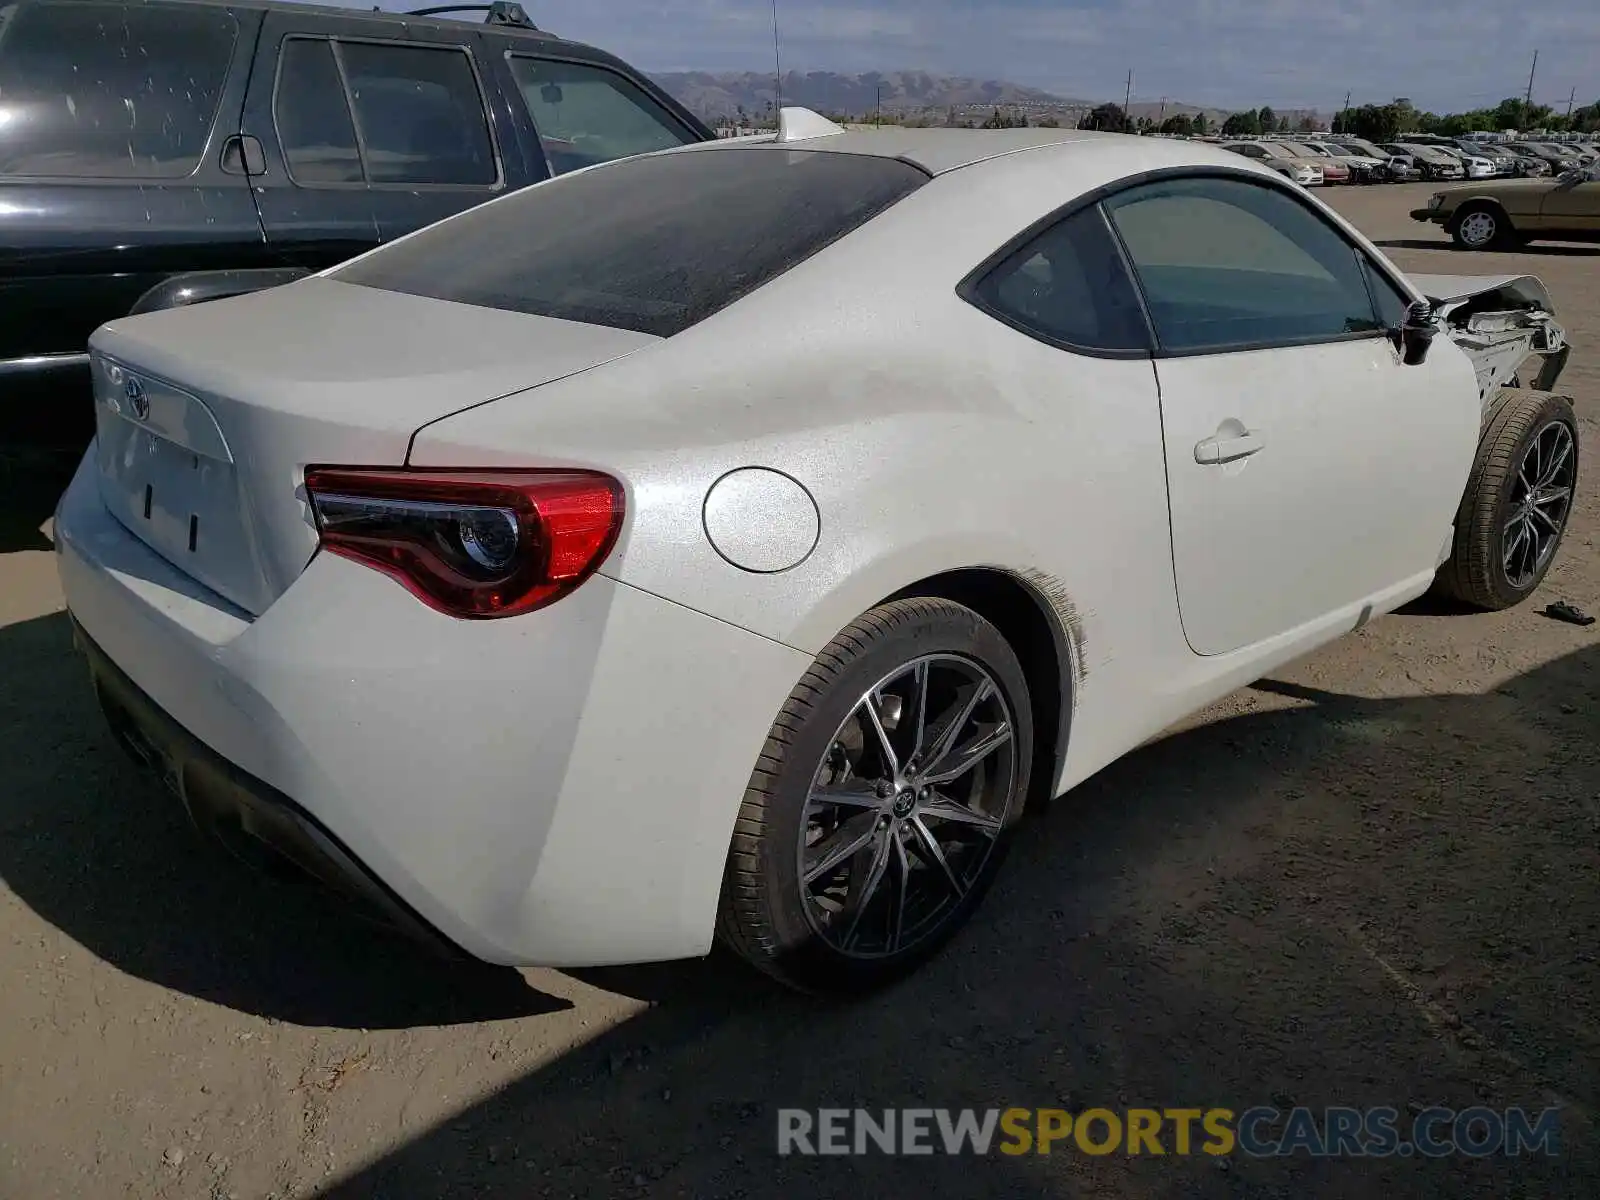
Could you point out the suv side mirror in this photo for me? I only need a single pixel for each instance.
(1417, 332)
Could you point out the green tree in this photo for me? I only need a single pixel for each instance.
(1108, 117)
(1373, 122)
(1242, 124)
(1308, 124)
(1180, 124)
(1201, 125)
(1268, 120)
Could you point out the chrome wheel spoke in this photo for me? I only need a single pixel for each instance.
(959, 762)
(1539, 514)
(857, 906)
(928, 846)
(942, 808)
(897, 915)
(1558, 460)
(869, 705)
(858, 796)
(919, 711)
(948, 735)
(848, 840)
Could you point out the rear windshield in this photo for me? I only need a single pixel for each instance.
(112, 91)
(652, 244)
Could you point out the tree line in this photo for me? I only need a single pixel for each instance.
(1373, 122)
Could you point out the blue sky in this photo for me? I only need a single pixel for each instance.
(1445, 55)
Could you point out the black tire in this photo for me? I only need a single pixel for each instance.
(1476, 573)
(1488, 228)
(766, 915)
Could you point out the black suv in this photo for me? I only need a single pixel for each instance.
(160, 152)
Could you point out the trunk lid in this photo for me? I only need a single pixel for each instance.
(207, 416)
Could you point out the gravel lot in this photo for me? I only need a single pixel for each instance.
(1371, 879)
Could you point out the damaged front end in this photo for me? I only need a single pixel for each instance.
(1501, 321)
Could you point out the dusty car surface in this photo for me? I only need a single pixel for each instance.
(1514, 211)
(1334, 170)
(760, 525)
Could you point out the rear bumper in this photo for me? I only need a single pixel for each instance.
(554, 789)
(243, 813)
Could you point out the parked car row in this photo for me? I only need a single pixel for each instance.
(262, 141)
(1320, 161)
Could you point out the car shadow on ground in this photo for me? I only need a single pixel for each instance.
(1564, 249)
(1319, 900)
(102, 851)
(1329, 901)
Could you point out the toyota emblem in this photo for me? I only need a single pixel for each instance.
(138, 402)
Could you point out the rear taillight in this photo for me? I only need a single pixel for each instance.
(470, 543)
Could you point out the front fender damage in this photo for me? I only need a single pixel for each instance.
(1500, 321)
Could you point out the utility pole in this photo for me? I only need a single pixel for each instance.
(1127, 96)
(1571, 96)
(1162, 118)
(880, 105)
(1528, 100)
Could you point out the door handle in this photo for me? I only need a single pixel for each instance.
(242, 155)
(1226, 448)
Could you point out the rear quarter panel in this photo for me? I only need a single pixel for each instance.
(931, 437)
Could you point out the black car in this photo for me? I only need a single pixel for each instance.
(142, 141)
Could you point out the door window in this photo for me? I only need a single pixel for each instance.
(1227, 264)
(313, 119)
(110, 91)
(419, 114)
(586, 114)
(1068, 287)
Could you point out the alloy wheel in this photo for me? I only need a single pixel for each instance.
(907, 806)
(1541, 498)
(1478, 228)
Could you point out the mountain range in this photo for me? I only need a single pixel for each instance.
(722, 96)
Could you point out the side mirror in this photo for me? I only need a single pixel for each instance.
(1417, 331)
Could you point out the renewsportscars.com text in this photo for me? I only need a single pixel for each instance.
(1259, 1132)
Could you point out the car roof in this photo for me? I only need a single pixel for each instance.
(938, 149)
(328, 8)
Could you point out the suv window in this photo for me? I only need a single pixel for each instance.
(1068, 287)
(110, 91)
(652, 244)
(1228, 264)
(587, 114)
(313, 119)
(419, 114)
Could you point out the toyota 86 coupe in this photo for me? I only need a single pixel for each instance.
(730, 542)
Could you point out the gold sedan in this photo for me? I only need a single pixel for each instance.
(1500, 214)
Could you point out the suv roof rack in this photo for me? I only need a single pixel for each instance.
(500, 12)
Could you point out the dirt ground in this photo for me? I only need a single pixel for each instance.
(1371, 879)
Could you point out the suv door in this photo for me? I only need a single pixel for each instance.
(113, 129)
(423, 125)
(1308, 469)
(310, 188)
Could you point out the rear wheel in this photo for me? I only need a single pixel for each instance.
(1518, 499)
(1480, 226)
(880, 809)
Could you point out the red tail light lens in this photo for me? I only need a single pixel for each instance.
(470, 543)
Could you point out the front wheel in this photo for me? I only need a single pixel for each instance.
(1518, 499)
(1479, 227)
(879, 811)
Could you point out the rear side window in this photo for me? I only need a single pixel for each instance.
(587, 114)
(314, 127)
(1068, 287)
(653, 244)
(1226, 264)
(419, 113)
(110, 91)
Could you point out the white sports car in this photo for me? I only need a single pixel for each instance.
(735, 539)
